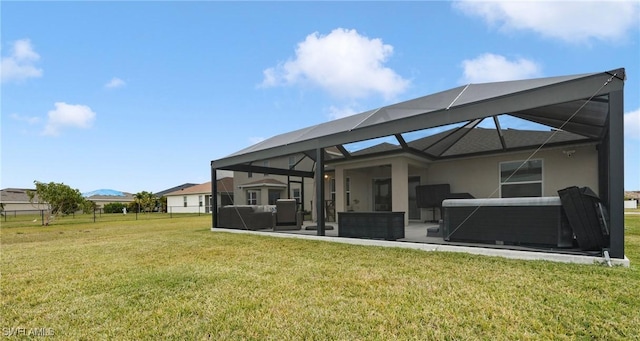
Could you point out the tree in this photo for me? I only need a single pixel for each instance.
(57, 198)
(114, 207)
(145, 200)
(89, 206)
(162, 204)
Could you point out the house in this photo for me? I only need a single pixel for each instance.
(16, 200)
(197, 199)
(173, 189)
(525, 138)
(262, 188)
(103, 197)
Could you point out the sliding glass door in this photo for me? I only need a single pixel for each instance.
(382, 195)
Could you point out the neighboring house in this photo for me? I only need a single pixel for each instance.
(254, 188)
(197, 199)
(173, 189)
(102, 197)
(569, 134)
(17, 199)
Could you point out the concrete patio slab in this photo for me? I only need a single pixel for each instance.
(416, 239)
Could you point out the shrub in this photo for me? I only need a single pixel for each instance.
(114, 207)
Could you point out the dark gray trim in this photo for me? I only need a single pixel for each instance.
(319, 179)
(500, 133)
(269, 170)
(344, 151)
(616, 173)
(214, 198)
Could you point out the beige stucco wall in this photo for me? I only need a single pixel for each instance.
(13, 206)
(363, 173)
(480, 176)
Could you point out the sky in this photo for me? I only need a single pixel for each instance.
(141, 96)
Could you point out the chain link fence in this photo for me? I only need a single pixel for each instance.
(39, 217)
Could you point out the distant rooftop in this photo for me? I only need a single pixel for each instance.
(104, 192)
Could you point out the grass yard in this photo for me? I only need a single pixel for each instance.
(175, 279)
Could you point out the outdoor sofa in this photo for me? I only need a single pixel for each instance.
(281, 216)
(247, 217)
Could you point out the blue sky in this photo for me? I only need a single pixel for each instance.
(141, 96)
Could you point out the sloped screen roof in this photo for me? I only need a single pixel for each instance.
(576, 104)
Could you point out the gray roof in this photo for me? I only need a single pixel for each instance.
(173, 189)
(15, 195)
(576, 104)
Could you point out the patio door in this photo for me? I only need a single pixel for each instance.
(382, 195)
(414, 211)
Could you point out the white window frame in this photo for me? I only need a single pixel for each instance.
(519, 162)
(200, 202)
(184, 200)
(296, 193)
(253, 197)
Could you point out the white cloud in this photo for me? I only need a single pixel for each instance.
(27, 119)
(335, 112)
(490, 67)
(632, 125)
(115, 82)
(571, 21)
(344, 63)
(20, 64)
(68, 116)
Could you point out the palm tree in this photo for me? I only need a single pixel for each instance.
(145, 200)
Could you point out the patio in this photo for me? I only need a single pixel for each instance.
(416, 238)
(460, 137)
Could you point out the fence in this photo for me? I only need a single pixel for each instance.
(39, 217)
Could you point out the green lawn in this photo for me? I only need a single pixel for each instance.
(175, 279)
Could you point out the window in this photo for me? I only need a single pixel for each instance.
(274, 195)
(292, 162)
(184, 199)
(265, 164)
(347, 190)
(252, 197)
(296, 195)
(521, 179)
(200, 200)
(333, 189)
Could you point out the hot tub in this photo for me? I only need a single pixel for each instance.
(511, 221)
